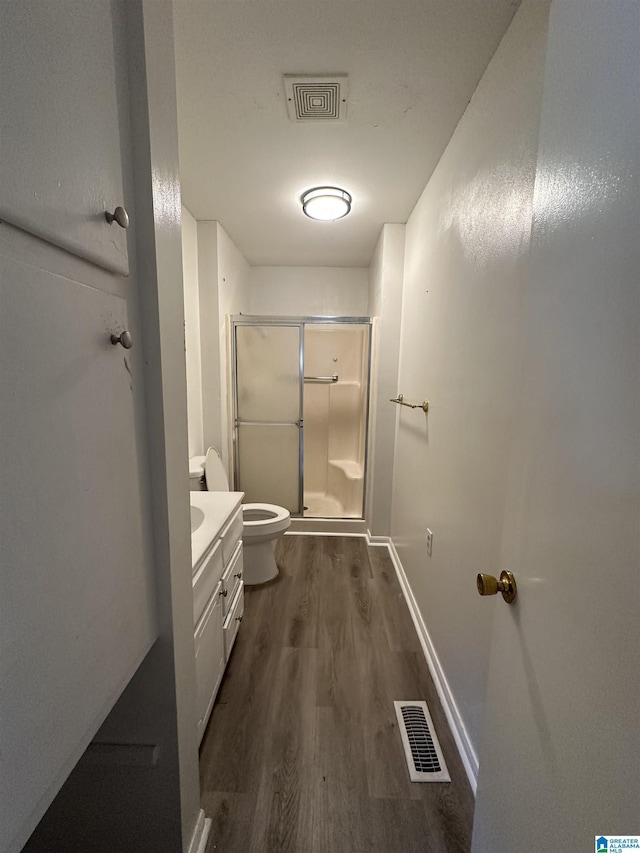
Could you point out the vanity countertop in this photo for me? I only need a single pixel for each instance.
(217, 508)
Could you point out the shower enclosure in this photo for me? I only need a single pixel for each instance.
(300, 412)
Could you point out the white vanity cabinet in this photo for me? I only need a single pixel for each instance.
(218, 591)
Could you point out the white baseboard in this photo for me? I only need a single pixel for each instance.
(463, 742)
(200, 834)
(334, 526)
(324, 533)
(373, 541)
(377, 541)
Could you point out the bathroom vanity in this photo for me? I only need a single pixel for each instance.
(218, 590)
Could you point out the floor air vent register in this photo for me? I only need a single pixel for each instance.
(422, 750)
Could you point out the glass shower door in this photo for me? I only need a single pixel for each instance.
(268, 413)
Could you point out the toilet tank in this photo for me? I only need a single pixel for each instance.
(196, 474)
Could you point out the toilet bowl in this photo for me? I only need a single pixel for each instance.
(263, 524)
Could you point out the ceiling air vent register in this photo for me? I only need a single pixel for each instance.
(316, 97)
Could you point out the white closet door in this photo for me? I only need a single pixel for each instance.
(60, 158)
(77, 602)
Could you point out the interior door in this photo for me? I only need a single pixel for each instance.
(561, 744)
(268, 413)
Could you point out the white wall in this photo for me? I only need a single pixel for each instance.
(207, 238)
(385, 304)
(234, 275)
(233, 295)
(223, 275)
(309, 291)
(192, 331)
(467, 244)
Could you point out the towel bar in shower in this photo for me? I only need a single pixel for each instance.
(424, 405)
(333, 378)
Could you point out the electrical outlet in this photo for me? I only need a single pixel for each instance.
(429, 541)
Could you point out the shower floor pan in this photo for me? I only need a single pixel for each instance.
(320, 505)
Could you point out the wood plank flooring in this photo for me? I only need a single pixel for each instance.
(302, 753)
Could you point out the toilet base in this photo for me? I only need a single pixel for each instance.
(259, 561)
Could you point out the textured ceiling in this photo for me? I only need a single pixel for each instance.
(413, 66)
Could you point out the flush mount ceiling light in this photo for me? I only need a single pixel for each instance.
(326, 203)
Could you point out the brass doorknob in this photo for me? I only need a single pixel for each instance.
(488, 585)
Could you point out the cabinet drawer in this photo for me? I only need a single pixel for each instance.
(230, 536)
(233, 620)
(232, 577)
(205, 579)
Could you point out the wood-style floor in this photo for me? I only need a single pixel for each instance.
(302, 752)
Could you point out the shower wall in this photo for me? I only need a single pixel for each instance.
(335, 420)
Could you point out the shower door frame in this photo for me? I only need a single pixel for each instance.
(290, 322)
(300, 322)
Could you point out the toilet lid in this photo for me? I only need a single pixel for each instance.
(214, 472)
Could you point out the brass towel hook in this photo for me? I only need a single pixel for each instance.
(424, 405)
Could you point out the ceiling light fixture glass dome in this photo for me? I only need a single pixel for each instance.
(326, 203)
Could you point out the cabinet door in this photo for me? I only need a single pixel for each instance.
(210, 659)
(77, 608)
(205, 580)
(60, 159)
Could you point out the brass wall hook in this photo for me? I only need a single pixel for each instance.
(488, 585)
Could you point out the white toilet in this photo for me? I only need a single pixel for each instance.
(263, 524)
